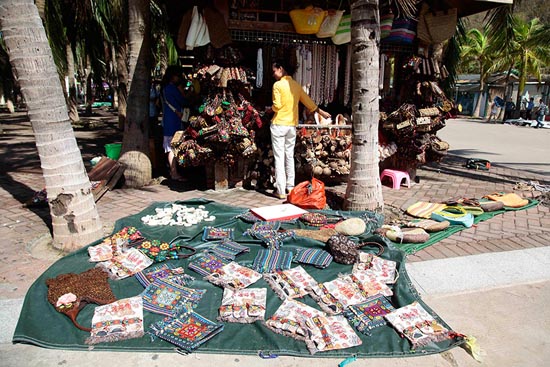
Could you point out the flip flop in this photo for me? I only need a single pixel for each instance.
(424, 209)
(454, 215)
(429, 225)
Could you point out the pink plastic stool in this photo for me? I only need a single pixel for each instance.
(397, 177)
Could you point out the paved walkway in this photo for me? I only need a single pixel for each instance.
(24, 253)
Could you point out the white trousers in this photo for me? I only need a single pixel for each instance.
(283, 140)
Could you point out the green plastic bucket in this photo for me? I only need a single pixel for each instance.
(113, 150)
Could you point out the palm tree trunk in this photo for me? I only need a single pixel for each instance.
(71, 100)
(364, 190)
(135, 145)
(122, 76)
(75, 220)
(522, 79)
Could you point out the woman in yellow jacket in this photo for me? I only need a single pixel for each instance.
(287, 94)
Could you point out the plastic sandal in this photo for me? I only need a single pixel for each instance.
(455, 215)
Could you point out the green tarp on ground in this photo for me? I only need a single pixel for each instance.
(42, 325)
(411, 248)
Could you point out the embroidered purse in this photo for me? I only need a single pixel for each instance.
(243, 306)
(270, 260)
(369, 315)
(215, 234)
(345, 251)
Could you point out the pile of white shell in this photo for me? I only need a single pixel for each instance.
(178, 215)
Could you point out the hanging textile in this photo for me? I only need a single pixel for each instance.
(259, 68)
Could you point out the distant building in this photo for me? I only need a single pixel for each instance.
(467, 92)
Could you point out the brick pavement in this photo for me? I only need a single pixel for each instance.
(24, 254)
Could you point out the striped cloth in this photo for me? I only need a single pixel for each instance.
(312, 256)
(424, 209)
(270, 260)
(229, 249)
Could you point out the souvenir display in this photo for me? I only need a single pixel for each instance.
(112, 245)
(291, 283)
(206, 263)
(270, 260)
(216, 234)
(290, 319)
(233, 276)
(312, 256)
(125, 264)
(243, 305)
(417, 325)
(164, 271)
(187, 331)
(120, 320)
(229, 249)
(382, 269)
(330, 333)
(369, 315)
(170, 299)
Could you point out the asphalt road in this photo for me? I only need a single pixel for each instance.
(517, 147)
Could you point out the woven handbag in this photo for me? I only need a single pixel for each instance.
(308, 20)
(345, 251)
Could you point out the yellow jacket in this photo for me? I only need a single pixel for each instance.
(287, 93)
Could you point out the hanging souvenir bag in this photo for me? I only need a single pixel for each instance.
(343, 33)
(330, 24)
(403, 32)
(438, 146)
(308, 20)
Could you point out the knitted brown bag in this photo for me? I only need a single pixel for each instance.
(345, 251)
(90, 286)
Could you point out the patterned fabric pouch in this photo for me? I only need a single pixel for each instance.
(262, 226)
(345, 290)
(384, 270)
(170, 299)
(116, 321)
(289, 319)
(125, 264)
(270, 260)
(370, 284)
(207, 263)
(216, 234)
(248, 217)
(314, 219)
(243, 306)
(229, 249)
(274, 239)
(112, 245)
(187, 331)
(164, 271)
(69, 293)
(325, 300)
(161, 251)
(233, 276)
(369, 315)
(311, 256)
(291, 283)
(417, 325)
(330, 333)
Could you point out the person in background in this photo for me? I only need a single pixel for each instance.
(494, 112)
(529, 108)
(541, 112)
(286, 97)
(509, 109)
(173, 103)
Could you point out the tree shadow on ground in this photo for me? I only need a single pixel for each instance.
(24, 195)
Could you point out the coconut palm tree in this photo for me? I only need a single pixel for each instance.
(364, 189)
(531, 50)
(75, 219)
(476, 50)
(135, 144)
